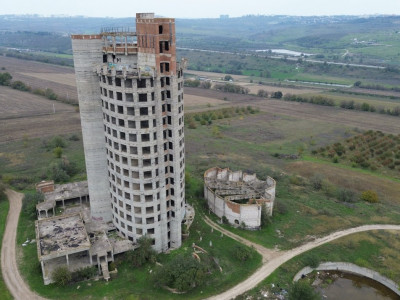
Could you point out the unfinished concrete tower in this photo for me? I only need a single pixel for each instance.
(130, 91)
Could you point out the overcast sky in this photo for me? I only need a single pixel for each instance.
(200, 8)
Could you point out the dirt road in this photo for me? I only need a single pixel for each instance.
(274, 259)
(9, 268)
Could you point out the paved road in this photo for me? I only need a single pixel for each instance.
(274, 259)
(9, 268)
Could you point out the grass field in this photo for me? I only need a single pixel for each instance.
(4, 205)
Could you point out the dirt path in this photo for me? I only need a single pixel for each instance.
(274, 259)
(9, 268)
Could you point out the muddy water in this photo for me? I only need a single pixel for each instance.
(347, 286)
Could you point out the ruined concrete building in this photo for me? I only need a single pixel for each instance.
(130, 90)
(238, 196)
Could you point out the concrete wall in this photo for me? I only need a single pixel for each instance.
(87, 52)
(352, 269)
(236, 213)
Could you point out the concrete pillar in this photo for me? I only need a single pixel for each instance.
(67, 260)
(88, 54)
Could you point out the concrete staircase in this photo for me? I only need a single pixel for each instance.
(104, 270)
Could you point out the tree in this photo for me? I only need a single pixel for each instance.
(277, 95)
(29, 203)
(5, 78)
(228, 78)
(62, 276)
(183, 273)
(301, 290)
(143, 254)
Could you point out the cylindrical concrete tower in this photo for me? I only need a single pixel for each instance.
(141, 90)
(87, 51)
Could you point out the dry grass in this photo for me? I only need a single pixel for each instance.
(61, 78)
(387, 189)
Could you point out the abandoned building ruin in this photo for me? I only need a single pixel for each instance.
(130, 91)
(238, 196)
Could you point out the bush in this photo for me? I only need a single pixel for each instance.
(316, 182)
(74, 137)
(369, 196)
(345, 195)
(143, 254)
(29, 203)
(5, 78)
(58, 151)
(3, 195)
(301, 290)
(277, 95)
(312, 261)
(183, 273)
(205, 84)
(62, 276)
(192, 83)
(57, 141)
(19, 85)
(242, 253)
(83, 274)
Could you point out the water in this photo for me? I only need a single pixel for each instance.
(348, 286)
(284, 51)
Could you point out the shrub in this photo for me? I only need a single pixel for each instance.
(345, 195)
(312, 261)
(83, 274)
(57, 141)
(242, 253)
(74, 137)
(183, 273)
(369, 196)
(19, 85)
(302, 290)
(316, 182)
(58, 151)
(49, 94)
(29, 203)
(2, 192)
(5, 78)
(143, 254)
(62, 276)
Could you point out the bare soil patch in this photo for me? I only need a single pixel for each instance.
(23, 115)
(61, 78)
(193, 101)
(42, 76)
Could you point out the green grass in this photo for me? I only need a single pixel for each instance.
(4, 206)
(17, 166)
